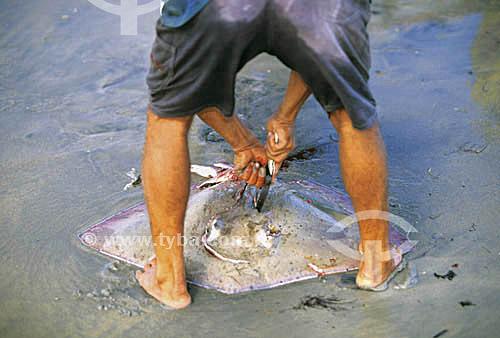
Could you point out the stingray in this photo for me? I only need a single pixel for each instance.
(231, 247)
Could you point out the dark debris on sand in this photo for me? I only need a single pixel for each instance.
(331, 303)
(449, 275)
(465, 303)
(440, 333)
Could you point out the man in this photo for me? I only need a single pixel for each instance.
(194, 65)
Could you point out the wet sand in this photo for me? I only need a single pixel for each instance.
(72, 103)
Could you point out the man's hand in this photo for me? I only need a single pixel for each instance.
(280, 127)
(280, 141)
(252, 160)
(249, 154)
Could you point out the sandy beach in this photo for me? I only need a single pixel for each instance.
(72, 103)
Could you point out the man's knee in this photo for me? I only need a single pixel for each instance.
(340, 119)
(179, 125)
(344, 126)
(343, 123)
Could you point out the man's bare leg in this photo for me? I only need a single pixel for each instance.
(166, 179)
(364, 171)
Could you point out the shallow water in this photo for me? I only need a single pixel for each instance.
(72, 99)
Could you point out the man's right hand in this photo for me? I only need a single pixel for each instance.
(250, 164)
(280, 141)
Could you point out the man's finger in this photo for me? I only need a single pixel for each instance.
(261, 178)
(241, 161)
(238, 165)
(245, 175)
(277, 166)
(253, 176)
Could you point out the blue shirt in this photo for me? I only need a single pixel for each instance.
(175, 13)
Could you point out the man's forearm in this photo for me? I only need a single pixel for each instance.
(295, 96)
(230, 128)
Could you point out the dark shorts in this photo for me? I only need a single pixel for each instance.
(194, 66)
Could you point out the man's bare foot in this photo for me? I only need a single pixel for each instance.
(173, 297)
(374, 268)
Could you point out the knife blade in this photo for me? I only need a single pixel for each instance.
(264, 191)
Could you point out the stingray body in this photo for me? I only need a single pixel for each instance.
(231, 247)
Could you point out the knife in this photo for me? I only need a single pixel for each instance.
(267, 184)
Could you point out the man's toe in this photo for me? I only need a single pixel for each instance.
(138, 275)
